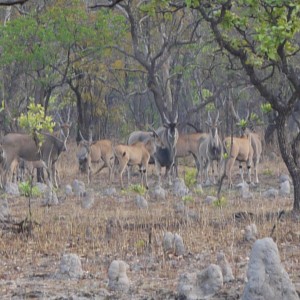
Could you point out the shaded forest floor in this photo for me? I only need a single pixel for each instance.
(29, 264)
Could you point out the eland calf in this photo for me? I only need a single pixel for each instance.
(138, 153)
(97, 152)
(165, 153)
(240, 149)
(247, 148)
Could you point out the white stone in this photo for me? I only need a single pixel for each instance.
(270, 193)
(283, 178)
(12, 188)
(70, 266)
(285, 188)
(225, 267)
(168, 242)
(201, 285)
(266, 276)
(50, 197)
(110, 191)
(159, 193)
(117, 276)
(179, 246)
(42, 187)
(210, 199)
(179, 187)
(250, 232)
(141, 202)
(68, 190)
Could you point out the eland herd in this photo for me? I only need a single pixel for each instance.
(163, 147)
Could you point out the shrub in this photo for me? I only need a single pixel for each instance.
(138, 188)
(27, 190)
(190, 177)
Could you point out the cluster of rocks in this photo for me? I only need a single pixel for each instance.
(283, 190)
(266, 277)
(173, 244)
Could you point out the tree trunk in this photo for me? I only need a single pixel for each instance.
(286, 153)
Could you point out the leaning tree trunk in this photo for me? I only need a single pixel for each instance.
(289, 157)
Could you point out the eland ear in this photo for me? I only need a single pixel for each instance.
(152, 130)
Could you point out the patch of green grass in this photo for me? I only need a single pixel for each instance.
(198, 191)
(188, 199)
(138, 188)
(220, 202)
(190, 177)
(267, 172)
(27, 190)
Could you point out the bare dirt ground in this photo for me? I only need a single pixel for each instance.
(29, 264)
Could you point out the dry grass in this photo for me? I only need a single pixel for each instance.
(68, 228)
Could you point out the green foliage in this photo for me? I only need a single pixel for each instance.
(138, 188)
(198, 191)
(206, 93)
(35, 121)
(242, 123)
(210, 107)
(220, 202)
(190, 177)
(267, 172)
(188, 199)
(27, 190)
(266, 108)
(225, 154)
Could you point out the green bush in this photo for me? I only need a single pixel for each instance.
(220, 202)
(190, 177)
(27, 190)
(138, 188)
(188, 199)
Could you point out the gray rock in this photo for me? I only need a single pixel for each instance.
(68, 190)
(50, 197)
(141, 202)
(225, 267)
(244, 190)
(110, 191)
(78, 187)
(179, 187)
(267, 278)
(270, 193)
(210, 199)
(285, 188)
(88, 199)
(42, 187)
(168, 242)
(179, 246)
(284, 177)
(12, 188)
(159, 193)
(118, 280)
(250, 232)
(70, 267)
(201, 285)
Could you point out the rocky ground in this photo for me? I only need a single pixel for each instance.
(115, 225)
